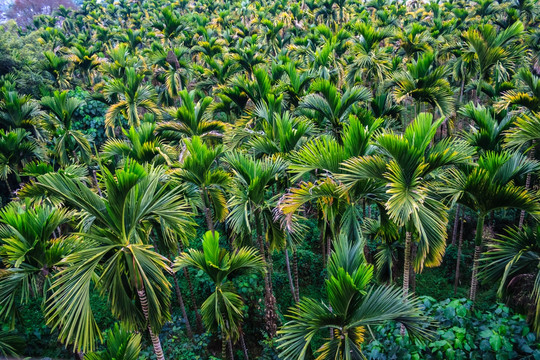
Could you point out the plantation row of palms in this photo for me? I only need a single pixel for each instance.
(380, 122)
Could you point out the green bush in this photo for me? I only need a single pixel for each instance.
(462, 333)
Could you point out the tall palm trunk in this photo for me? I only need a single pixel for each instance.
(406, 270)
(477, 251)
(156, 343)
(243, 344)
(207, 212)
(295, 272)
(407, 264)
(231, 350)
(527, 185)
(269, 299)
(198, 318)
(456, 224)
(458, 259)
(289, 275)
(182, 307)
(412, 273)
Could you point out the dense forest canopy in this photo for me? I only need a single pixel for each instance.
(329, 179)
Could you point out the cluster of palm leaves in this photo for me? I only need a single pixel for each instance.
(375, 119)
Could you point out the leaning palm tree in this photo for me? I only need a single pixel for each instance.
(129, 96)
(353, 306)
(223, 308)
(69, 145)
(490, 186)
(513, 255)
(119, 260)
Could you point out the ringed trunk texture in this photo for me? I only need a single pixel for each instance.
(474, 280)
(295, 272)
(477, 250)
(458, 260)
(407, 264)
(269, 299)
(412, 274)
(406, 271)
(156, 343)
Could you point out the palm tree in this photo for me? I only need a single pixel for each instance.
(251, 207)
(488, 130)
(496, 53)
(56, 66)
(129, 95)
(371, 60)
(223, 308)
(409, 168)
(512, 255)
(524, 132)
(191, 119)
(85, 60)
(527, 97)
(353, 306)
(18, 111)
(329, 108)
(17, 149)
(121, 345)
(141, 145)
(424, 82)
(30, 252)
(119, 259)
(199, 171)
(490, 186)
(68, 143)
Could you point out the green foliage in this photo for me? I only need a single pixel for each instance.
(463, 333)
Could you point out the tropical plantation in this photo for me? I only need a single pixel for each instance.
(324, 179)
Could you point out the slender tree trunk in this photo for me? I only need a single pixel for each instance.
(231, 350)
(243, 344)
(406, 270)
(527, 185)
(182, 307)
(223, 346)
(96, 182)
(412, 274)
(477, 251)
(156, 343)
(198, 319)
(207, 213)
(458, 259)
(407, 264)
(295, 272)
(269, 299)
(456, 224)
(289, 275)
